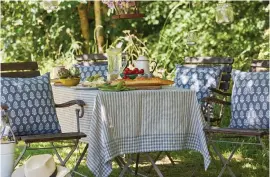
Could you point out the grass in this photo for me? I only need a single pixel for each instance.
(248, 161)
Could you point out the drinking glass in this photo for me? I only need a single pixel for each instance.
(114, 63)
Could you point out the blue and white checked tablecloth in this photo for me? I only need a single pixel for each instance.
(135, 121)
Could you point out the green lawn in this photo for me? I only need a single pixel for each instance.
(249, 161)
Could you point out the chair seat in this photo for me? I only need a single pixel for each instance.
(242, 132)
(52, 137)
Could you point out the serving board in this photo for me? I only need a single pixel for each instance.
(145, 87)
(79, 87)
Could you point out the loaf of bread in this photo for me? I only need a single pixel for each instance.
(155, 81)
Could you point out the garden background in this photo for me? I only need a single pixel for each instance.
(30, 33)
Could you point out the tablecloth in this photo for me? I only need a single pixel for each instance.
(135, 121)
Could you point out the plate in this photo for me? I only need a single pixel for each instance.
(84, 88)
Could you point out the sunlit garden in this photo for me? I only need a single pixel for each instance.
(134, 88)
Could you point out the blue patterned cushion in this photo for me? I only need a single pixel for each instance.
(250, 101)
(31, 105)
(87, 71)
(199, 79)
(234, 73)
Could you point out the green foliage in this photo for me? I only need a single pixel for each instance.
(30, 33)
(244, 39)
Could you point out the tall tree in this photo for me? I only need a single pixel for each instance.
(98, 26)
(83, 12)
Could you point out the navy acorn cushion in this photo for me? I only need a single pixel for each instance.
(250, 100)
(91, 70)
(199, 79)
(31, 105)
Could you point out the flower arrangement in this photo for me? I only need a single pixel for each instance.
(73, 72)
(124, 8)
(69, 77)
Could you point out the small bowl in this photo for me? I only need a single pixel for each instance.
(70, 82)
(131, 76)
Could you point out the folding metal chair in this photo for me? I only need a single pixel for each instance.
(28, 70)
(240, 136)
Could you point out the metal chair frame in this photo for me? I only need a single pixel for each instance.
(231, 132)
(28, 70)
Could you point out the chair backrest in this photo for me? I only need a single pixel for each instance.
(22, 69)
(259, 65)
(225, 63)
(94, 59)
(251, 101)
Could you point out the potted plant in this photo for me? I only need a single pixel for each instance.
(69, 77)
(7, 146)
(135, 50)
(131, 46)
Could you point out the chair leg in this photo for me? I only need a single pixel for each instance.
(20, 156)
(119, 162)
(63, 162)
(137, 163)
(125, 168)
(170, 158)
(224, 161)
(150, 168)
(79, 160)
(57, 154)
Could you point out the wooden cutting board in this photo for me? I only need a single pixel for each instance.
(146, 87)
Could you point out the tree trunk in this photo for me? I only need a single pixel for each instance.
(98, 27)
(82, 9)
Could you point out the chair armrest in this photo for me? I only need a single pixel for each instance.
(81, 103)
(215, 100)
(220, 92)
(70, 103)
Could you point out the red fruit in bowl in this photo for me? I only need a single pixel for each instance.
(141, 71)
(136, 71)
(125, 72)
(125, 77)
(132, 72)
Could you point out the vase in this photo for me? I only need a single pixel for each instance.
(7, 151)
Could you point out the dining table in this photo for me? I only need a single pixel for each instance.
(137, 121)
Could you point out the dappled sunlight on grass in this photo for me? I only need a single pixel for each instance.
(186, 162)
(248, 165)
(164, 160)
(248, 161)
